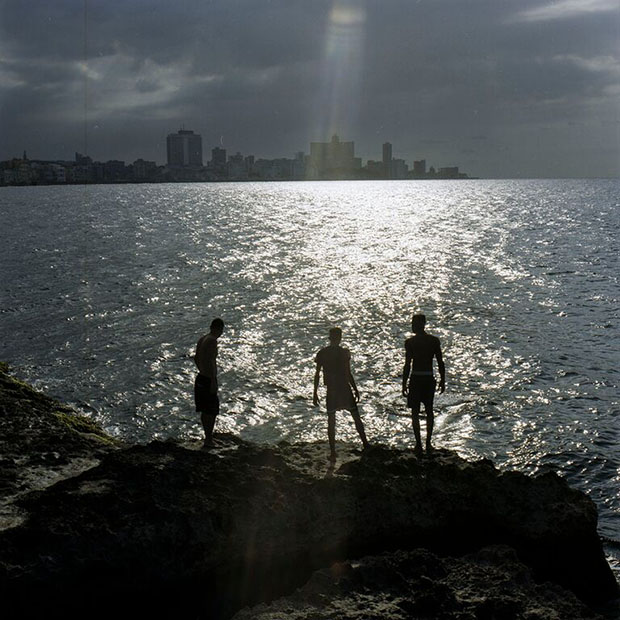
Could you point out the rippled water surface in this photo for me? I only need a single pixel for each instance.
(106, 289)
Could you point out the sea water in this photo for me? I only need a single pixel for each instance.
(106, 289)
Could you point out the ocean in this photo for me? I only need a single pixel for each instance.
(106, 289)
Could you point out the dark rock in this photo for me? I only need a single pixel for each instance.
(41, 441)
(489, 585)
(175, 531)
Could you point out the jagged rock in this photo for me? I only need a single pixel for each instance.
(41, 441)
(175, 531)
(406, 585)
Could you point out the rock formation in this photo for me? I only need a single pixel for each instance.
(175, 531)
(401, 585)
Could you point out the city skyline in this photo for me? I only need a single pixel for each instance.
(331, 160)
(504, 89)
(184, 148)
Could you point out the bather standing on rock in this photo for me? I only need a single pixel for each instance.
(335, 361)
(419, 384)
(205, 386)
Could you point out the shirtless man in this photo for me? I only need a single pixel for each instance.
(419, 384)
(205, 386)
(336, 364)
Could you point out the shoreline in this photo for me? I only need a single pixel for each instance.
(247, 524)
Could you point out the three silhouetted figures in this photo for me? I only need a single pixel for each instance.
(334, 362)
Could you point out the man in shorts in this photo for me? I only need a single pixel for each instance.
(419, 384)
(205, 386)
(335, 361)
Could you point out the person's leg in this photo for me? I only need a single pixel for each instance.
(430, 422)
(428, 409)
(415, 420)
(209, 415)
(331, 434)
(208, 424)
(359, 425)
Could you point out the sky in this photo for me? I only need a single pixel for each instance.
(500, 88)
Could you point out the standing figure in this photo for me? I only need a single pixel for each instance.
(335, 361)
(205, 386)
(419, 384)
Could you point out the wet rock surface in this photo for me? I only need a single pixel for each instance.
(173, 530)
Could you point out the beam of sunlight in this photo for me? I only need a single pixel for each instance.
(338, 97)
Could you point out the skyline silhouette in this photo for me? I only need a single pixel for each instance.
(332, 160)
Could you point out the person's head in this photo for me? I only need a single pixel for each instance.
(217, 327)
(418, 322)
(335, 335)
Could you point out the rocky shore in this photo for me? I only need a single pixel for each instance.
(92, 527)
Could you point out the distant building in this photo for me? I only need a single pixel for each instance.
(451, 172)
(237, 168)
(184, 149)
(332, 159)
(113, 170)
(375, 169)
(399, 169)
(143, 170)
(387, 160)
(419, 168)
(218, 160)
(48, 173)
(249, 164)
(82, 160)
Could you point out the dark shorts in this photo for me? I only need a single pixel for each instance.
(205, 401)
(421, 390)
(340, 398)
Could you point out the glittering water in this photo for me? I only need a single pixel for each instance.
(106, 289)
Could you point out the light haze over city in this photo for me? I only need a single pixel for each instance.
(500, 89)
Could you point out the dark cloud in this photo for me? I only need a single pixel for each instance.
(266, 77)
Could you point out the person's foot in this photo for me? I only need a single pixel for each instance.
(332, 457)
(208, 443)
(418, 450)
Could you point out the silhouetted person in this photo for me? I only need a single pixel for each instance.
(205, 386)
(419, 384)
(335, 361)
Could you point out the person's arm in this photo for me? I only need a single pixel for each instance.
(212, 355)
(196, 354)
(406, 369)
(317, 377)
(352, 382)
(442, 369)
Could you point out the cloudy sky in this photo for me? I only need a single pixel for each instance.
(501, 88)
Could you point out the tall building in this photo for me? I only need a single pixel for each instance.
(387, 160)
(387, 153)
(332, 158)
(184, 149)
(218, 160)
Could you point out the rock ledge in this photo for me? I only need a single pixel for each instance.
(175, 531)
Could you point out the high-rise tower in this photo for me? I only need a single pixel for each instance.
(184, 149)
(387, 160)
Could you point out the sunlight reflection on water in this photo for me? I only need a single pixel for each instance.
(518, 278)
